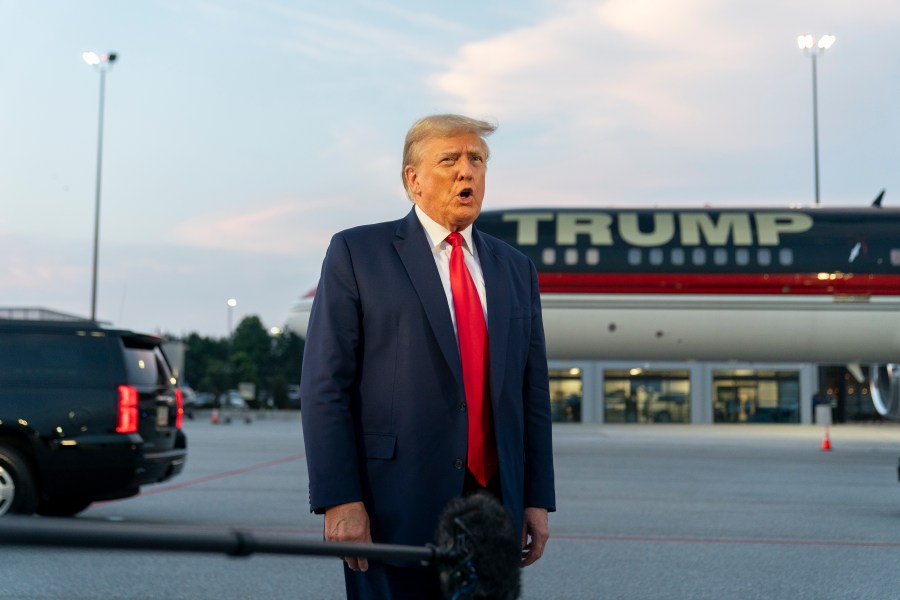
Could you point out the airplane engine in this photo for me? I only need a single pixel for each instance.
(884, 385)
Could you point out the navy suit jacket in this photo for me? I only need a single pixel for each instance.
(383, 406)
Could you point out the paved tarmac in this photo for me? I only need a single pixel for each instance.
(645, 512)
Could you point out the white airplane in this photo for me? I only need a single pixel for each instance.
(765, 285)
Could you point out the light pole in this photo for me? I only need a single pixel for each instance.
(814, 47)
(231, 302)
(102, 63)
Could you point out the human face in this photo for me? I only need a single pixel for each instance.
(448, 182)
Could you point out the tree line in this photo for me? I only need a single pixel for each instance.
(271, 361)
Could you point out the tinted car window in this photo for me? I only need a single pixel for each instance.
(143, 368)
(79, 359)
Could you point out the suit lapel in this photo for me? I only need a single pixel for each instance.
(412, 246)
(496, 277)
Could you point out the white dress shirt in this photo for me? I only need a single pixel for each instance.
(441, 248)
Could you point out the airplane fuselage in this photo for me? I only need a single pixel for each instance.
(764, 285)
(817, 285)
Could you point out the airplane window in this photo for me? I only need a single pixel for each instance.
(785, 256)
(571, 256)
(698, 256)
(720, 256)
(764, 256)
(548, 257)
(592, 256)
(895, 256)
(634, 256)
(656, 256)
(742, 257)
(677, 256)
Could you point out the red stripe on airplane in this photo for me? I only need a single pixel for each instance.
(720, 283)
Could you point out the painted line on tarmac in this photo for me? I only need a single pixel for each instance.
(735, 541)
(222, 475)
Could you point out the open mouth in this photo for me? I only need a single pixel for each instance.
(466, 193)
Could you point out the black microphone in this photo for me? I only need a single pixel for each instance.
(479, 552)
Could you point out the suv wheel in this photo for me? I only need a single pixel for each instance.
(17, 491)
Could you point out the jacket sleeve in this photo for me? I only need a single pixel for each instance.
(539, 479)
(330, 363)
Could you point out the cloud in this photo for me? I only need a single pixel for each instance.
(299, 227)
(351, 176)
(331, 33)
(640, 98)
(650, 65)
(32, 267)
(605, 66)
(155, 287)
(270, 229)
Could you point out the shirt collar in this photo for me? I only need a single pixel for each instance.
(436, 233)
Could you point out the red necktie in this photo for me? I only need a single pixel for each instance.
(473, 350)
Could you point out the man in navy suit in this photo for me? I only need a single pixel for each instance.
(384, 406)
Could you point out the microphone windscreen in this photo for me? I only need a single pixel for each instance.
(485, 550)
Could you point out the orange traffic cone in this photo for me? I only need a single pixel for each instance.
(826, 442)
(214, 416)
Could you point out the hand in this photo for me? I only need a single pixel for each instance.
(535, 533)
(349, 523)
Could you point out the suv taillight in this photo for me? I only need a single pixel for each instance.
(179, 408)
(128, 410)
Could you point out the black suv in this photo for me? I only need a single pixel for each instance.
(86, 414)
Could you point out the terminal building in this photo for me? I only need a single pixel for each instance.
(704, 392)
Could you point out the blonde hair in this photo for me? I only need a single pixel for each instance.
(434, 126)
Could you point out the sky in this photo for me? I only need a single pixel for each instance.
(239, 135)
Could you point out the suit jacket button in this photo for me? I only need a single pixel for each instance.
(462, 407)
(458, 463)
